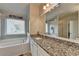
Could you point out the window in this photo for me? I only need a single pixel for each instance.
(15, 26)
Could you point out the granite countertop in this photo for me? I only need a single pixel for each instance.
(57, 47)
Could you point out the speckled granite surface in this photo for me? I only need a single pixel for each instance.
(26, 54)
(57, 47)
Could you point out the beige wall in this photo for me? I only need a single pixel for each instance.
(36, 22)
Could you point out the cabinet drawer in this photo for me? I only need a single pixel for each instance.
(32, 42)
(41, 52)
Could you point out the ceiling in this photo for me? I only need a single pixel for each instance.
(63, 8)
(19, 9)
(22, 9)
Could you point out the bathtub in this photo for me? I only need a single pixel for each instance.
(13, 47)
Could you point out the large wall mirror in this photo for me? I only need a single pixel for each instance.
(65, 26)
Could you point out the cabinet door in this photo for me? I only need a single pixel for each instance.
(34, 50)
(41, 52)
(33, 46)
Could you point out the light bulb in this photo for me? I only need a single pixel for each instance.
(44, 7)
(47, 5)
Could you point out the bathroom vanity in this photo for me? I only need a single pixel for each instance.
(37, 50)
(49, 46)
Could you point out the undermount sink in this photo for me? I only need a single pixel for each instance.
(48, 47)
(37, 38)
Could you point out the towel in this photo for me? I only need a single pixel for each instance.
(28, 37)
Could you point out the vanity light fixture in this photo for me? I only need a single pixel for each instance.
(50, 5)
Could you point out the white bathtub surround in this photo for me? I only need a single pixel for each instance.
(13, 47)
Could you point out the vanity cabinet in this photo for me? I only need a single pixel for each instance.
(36, 50)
